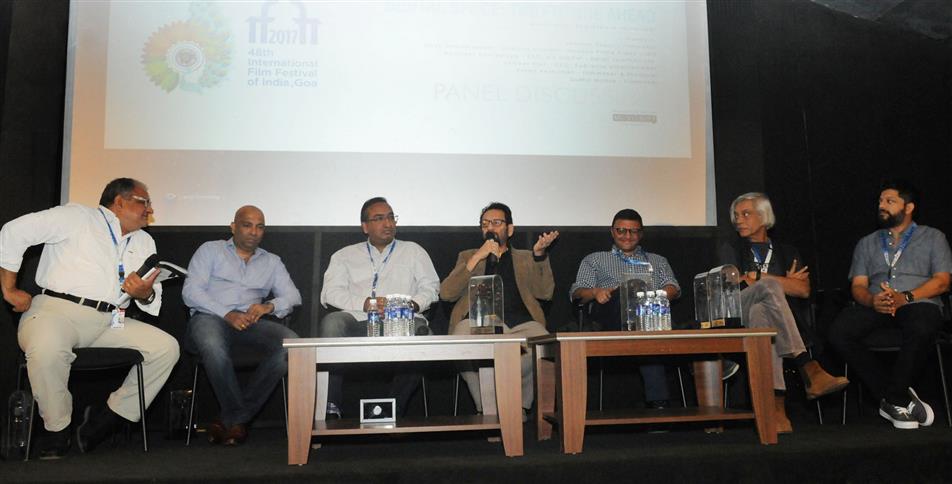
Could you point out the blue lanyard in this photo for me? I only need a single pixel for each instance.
(884, 241)
(631, 261)
(115, 243)
(762, 264)
(373, 285)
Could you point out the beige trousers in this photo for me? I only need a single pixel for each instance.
(52, 327)
(527, 329)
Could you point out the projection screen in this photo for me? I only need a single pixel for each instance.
(565, 111)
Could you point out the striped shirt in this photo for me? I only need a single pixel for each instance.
(607, 268)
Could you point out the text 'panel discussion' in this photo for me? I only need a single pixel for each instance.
(475, 241)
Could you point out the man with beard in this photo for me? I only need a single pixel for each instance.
(897, 274)
(367, 271)
(228, 281)
(526, 279)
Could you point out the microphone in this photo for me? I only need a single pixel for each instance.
(150, 264)
(492, 260)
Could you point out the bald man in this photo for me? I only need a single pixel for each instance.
(226, 287)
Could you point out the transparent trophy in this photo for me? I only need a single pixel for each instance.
(723, 286)
(485, 305)
(632, 284)
(702, 301)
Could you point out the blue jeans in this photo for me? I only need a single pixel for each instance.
(340, 324)
(212, 338)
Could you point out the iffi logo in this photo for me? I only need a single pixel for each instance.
(191, 55)
(293, 28)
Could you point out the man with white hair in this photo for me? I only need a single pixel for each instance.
(770, 271)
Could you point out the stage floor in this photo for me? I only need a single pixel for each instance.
(866, 450)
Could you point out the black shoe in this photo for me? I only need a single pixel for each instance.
(54, 445)
(98, 424)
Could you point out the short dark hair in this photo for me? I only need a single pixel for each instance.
(627, 214)
(906, 190)
(364, 216)
(119, 187)
(497, 206)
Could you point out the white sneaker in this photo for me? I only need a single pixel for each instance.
(899, 416)
(922, 411)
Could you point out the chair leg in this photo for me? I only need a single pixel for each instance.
(601, 384)
(684, 399)
(29, 433)
(284, 394)
(145, 434)
(456, 396)
(426, 406)
(945, 389)
(846, 371)
(191, 407)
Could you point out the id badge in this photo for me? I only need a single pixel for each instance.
(118, 318)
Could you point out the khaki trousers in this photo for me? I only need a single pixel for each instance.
(52, 327)
(527, 329)
(767, 307)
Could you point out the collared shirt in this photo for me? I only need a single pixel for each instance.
(927, 253)
(606, 269)
(350, 274)
(220, 281)
(79, 255)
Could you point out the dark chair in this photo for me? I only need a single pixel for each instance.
(889, 341)
(94, 359)
(243, 358)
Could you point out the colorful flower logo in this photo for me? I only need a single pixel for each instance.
(190, 55)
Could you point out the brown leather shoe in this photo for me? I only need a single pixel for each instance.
(780, 416)
(818, 382)
(216, 432)
(237, 434)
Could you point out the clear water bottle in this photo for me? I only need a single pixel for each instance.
(388, 317)
(411, 317)
(637, 323)
(373, 319)
(665, 310)
(406, 316)
(654, 311)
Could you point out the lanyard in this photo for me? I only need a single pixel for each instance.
(884, 240)
(115, 243)
(631, 261)
(764, 264)
(377, 270)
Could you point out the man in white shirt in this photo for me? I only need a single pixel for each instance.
(88, 264)
(369, 270)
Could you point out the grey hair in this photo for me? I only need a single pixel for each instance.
(761, 204)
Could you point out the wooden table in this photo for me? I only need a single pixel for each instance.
(562, 377)
(307, 387)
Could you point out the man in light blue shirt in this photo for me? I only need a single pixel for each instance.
(225, 288)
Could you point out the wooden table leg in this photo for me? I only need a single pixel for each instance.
(509, 396)
(760, 369)
(571, 393)
(301, 381)
(545, 392)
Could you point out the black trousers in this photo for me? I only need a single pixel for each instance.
(918, 324)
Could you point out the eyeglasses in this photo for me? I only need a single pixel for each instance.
(496, 222)
(145, 201)
(380, 218)
(620, 231)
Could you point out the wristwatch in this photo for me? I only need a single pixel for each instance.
(909, 296)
